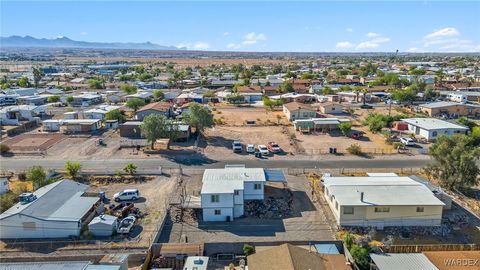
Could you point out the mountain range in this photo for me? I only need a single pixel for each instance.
(65, 42)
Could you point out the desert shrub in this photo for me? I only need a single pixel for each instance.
(355, 149)
(4, 148)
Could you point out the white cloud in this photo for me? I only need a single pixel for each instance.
(199, 45)
(367, 45)
(442, 33)
(413, 49)
(349, 30)
(226, 33)
(344, 45)
(448, 40)
(253, 38)
(83, 33)
(248, 40)
(372, 35)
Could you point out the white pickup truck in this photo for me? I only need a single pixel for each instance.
(237, 146)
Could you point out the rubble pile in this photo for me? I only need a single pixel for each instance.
(186, 215)
(269, 208)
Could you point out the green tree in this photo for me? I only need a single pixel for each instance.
(69, 99)
(406, 95)
(73, 169)
(158, 94)
(357, 90)
(429, 93)
(37, 76)
(130, 168)
(95, 84)
(455, 161)
(235, 99)
(327, 90)
(156, 127)
(135, 103)
(287, 87)
(199, 117)
(361, 256)
(465, 122)
(52, 99)
(23, 82)
(348, 240)
(115, 115)
(129, 89)
(38, 176)
(267, 102)
(345, 127)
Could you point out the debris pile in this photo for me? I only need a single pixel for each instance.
(269, 208)
(186, 215)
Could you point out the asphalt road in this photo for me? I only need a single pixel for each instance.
(145, 165)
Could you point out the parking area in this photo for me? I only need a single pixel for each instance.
(219, 140)
(154, 198)
(304, 220)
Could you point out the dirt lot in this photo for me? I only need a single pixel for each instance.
(34, 142)
(237, 116)
(219, 139)
(308, 222)
(155, 196)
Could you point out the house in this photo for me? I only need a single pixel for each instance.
(4, 186)
(57, 210)
(130, 129)
(290, 257)
(8, 99)
(87, 99)
(450, 109)
(251, 93)
(473, 96)
(72, 125)
(145, 95)
(295, 110)
(160, 108)
(32, 100)
(190, 97)
(431, 128)
(400, 261)
(381, 200)
(330, 108)
(103, 225)
(270, 90)
(111, 124)
(99, 112)
(15, 115)
(318, 124)
(225, 190)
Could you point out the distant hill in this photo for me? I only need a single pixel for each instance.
(64, 42)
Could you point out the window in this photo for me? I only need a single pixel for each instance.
(305, 114)
(257, 186)
(236, 192)
(434, 134)
(336, 205)
(333, 108)
(29, 226)
(382, 209)
(217, 212)
(348, 210)
(215, 198)
(420, 209)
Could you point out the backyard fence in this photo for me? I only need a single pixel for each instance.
(423, 248)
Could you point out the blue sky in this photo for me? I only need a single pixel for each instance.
(319, 26)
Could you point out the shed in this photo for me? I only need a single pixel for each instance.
(111, 124)
(103, 225)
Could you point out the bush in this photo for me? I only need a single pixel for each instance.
(355, 149)
(361, 256)
(7, 200)
(248, 249)
(4, 148)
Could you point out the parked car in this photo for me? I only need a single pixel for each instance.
(263, 150)
(273, 147)
(236, 146)
(126, 195)
(356, 135)
(250, 148)
(126, 225)
(407, 141)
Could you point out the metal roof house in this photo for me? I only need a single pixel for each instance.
(56, 210)
(381, 201)
(225, 190)
(431, 128)
(400, 261)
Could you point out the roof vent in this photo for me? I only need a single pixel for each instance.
(27, 198)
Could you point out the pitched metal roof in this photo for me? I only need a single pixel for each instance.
(401, 261)
(432, 123)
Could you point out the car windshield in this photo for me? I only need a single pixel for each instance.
(274, 145)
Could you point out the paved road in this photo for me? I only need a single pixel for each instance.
(145, 165)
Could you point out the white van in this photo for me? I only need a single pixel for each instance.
(126, 195)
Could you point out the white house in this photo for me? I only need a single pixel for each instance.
(4, 186)
(381, 200)
(225, 190)
(431, 128)
(71, 125)
(57, 210)
(99, 112)
(14, 115)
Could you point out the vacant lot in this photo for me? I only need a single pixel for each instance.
(155, 197)
(308, 222)
(33, 142)
(237, 116)
(219, 139)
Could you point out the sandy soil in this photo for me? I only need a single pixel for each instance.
(237, 116)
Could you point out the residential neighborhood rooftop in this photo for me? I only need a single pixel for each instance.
(432, 123)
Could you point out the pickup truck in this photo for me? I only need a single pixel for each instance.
(237, 146)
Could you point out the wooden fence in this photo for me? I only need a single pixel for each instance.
(423, 248)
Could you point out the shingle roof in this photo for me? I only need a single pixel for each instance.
(157, 106)
(290, 257)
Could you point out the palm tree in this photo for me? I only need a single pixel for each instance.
(357, 90)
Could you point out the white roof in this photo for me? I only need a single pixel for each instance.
(229, 179)
(432, 123)
(379, 190)
(196, 263)
(439, 104)
(401, 261)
